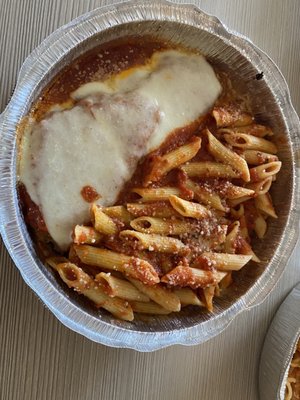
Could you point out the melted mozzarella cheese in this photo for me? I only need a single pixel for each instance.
(114, 123)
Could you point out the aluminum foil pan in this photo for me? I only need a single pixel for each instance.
(279, 347)
(187, 25)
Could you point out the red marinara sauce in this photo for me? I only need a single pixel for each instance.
(89, 194)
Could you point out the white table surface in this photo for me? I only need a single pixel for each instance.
(39, 357)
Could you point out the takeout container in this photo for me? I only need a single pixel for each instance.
(187, 25)
(279, 347)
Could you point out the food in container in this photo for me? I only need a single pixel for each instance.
(224, 51)
(180, 188)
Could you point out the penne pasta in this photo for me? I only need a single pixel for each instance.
(156, 194)
(264, 203)
(209, 169)
(160, 209)
(54, 261)
(209, 293)
(261, 187)
(226, 281)
(253, 129)
(86, 235)
(193, 277)
(72, 255)
(205, 195)
(118, 212)
(163, 164)
(231, 116)
(249, 142)
(77, 279)
(227, 156)
(238, 211)
(160, 295)
(264, 171)
(256, 157)
(222, 261)
(238, 201)
(154, 242)
(148, 308)
(129, 266)
(189, 209)
(260, 226)
(116, 287)
(235, 242)
(102, 222)
(162, 226)
(188, 297)
(73, 258)
(243, 228)
(231, 238)
(231, 191)
(245, 248)
(217, 290)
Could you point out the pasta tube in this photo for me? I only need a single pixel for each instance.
(238, 212)
(209, 293)
(193, 277)
(102, 222)
(264, 203)
(264, 171)
(239, 200)
(156, 194)
(236, 192)
(253, 129)
(160, 209)
(154, 242)
(162, 226)
(160, 295)
(54, 261)
(77, 279)
(230, 242)
(226, 281)
(129, 266)
(227, 156)
(249, 142)
(164, 164)
(223, 261)
(86, 235)
(189, 209)
(255, 157)
(261, 187)
(243, 228)
(260, 226)
(209, 169)
(245, 248)
(116, 287)
(231, 116)
(188, 297)
(205, 195)
(118, 212)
